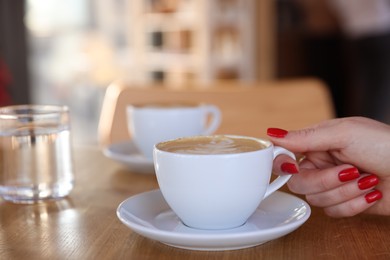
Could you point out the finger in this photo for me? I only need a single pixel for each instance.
(311, 181)
(284, 164)
(325, 136)
(354, 206)
(343, 193)
(382, 207)
(321, 159)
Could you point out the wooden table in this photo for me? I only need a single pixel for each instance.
(85, 225)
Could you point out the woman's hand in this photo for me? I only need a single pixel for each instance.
(346, 165)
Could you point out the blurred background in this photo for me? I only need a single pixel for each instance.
(69, 51)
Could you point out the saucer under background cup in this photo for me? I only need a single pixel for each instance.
(127, 154)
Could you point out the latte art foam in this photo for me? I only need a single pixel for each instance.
(211, 145)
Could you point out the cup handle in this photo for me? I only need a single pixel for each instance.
(281, 180)
(215, 114)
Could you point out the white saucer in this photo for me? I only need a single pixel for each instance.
(149, 215)
(127, 154)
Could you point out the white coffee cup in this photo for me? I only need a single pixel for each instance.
(213, 189)
(153, 123)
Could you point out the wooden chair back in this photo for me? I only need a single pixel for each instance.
(247, 109)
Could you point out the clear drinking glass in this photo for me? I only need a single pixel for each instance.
(35, 153)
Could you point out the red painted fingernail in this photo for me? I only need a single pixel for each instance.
(289, 168)
(373, 196)
(349, 174)
(276, 132)
(368, 182)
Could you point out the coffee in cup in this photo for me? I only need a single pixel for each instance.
(211, 145)
(216, 182)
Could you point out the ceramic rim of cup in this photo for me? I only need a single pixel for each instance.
(265, 142)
